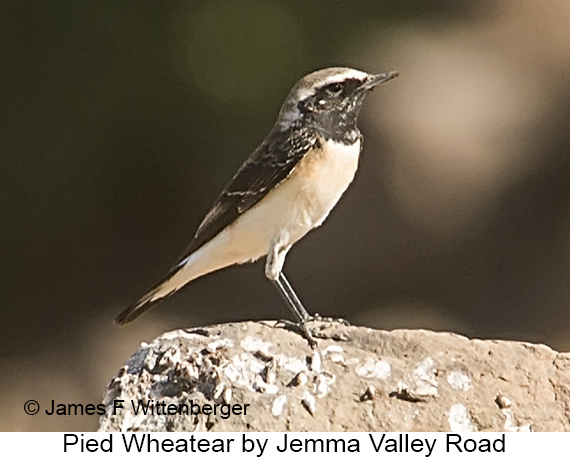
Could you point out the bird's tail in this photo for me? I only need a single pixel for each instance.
(147, 301)
(208, 258)
(175, 279)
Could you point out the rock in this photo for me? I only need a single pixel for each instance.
(260, 377)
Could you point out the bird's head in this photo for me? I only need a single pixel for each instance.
(329, 96)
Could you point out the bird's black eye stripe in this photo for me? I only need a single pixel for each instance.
(334, 88)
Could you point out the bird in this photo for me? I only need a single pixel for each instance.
(286, 187)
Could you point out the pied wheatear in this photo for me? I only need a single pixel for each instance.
(284, 189)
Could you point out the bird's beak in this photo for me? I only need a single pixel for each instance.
(373, 80)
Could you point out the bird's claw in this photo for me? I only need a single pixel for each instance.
(310, 335)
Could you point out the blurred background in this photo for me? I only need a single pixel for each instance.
(121, 122)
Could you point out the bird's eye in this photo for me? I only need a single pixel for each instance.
(334, 88)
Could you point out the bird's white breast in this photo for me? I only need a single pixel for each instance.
(304, 199)
(322, 177)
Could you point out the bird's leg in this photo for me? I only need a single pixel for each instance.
(273, 271)
(291, 298)
(273, 267)
(292, 301)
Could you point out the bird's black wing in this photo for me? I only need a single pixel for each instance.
(267, 166)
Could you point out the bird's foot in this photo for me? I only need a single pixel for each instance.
(331, 320)
(317, 324)
(300, 328)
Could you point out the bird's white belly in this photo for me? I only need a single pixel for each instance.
(297, 205)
